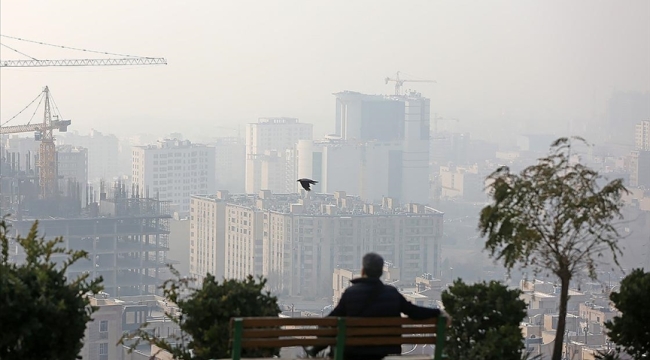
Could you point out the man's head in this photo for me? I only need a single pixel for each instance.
(372, 266)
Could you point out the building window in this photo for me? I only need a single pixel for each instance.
(103, 326)
(103, 351)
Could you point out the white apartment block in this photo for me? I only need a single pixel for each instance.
(224, 237)
(271, 134)
(298, 242)
(173, 170)
(642, 136)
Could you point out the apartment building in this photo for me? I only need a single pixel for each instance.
(103, 153)
(264, 136)
(173, 170)
(462, 182)
(642, 136)
(115, 317)
(384, 121)
(298, 242)
(230, 163)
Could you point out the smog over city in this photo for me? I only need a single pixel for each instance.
(279, 161)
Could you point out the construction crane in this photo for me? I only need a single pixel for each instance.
(43, 132)
(47, 151)
(399, 82)
(82, 62)
(33, 62)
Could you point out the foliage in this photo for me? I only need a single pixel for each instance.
(43, 315)
(485, 321)
(607, 355)
(205, 315)
(553, 216)
(631, 330)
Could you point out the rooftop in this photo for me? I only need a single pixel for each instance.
(338, 204)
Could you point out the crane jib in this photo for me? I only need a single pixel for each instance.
(83, 62)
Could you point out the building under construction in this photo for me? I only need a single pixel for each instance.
(125, 235)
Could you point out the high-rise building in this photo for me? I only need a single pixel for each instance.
(415, 151)
(387, 120)
(103, 153)
(230, 164)
(72, 167)
(369, 117)
(298, 242)
(640, 169)
(642, 136)
(451, 147)
(173, 170)
(624, 110)
(271, 134)
(223, 237)
(334, 162)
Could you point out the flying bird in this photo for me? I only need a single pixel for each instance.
(306, 182)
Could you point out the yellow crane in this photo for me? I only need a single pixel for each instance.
(399, 82)
(43, 132)
(47, 152)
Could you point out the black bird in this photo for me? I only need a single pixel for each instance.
(306, 182)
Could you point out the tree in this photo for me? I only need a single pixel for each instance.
(43, 315)
(485, 321)
(205, 315)
(631, 330)
(553, 216)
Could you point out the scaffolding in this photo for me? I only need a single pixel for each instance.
(127, 242)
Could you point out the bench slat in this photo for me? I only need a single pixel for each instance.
(354, 341)
(274, 321)
(392, 340)
(351, 332)
(374, 322)
(274, 333)
(277, 343)
(388, 330)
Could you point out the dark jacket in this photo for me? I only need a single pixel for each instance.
(388, 303)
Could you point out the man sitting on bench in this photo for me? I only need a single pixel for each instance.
(369, 297)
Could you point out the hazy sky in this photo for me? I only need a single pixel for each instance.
(539, 63)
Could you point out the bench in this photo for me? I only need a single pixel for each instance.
(275, 332)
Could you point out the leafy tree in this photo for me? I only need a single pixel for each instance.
(553, 216)
(43, 315)
(631, 330)
(485, 321)
(607, 355)
(205, 315)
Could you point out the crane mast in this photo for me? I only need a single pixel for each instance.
(47, 154)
